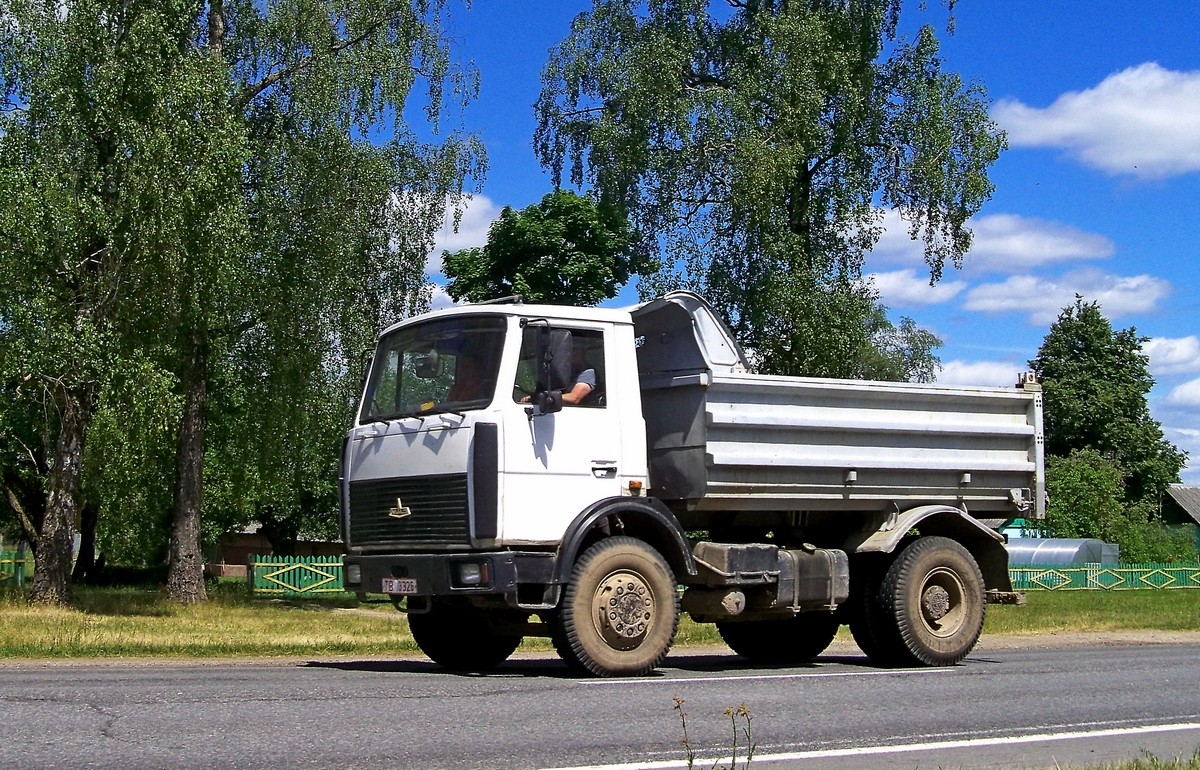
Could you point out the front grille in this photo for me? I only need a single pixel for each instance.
(439, 514)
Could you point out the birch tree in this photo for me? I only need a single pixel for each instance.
(758, 143)
(220, 189)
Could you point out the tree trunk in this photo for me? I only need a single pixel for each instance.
(21, 504)
(57, 535)
(85, 563)
(185, 574)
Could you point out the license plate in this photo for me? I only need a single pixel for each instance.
(406, 586)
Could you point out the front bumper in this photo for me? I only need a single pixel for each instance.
(439, 574)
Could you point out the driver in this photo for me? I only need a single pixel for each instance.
(470, 383)
(584, 381)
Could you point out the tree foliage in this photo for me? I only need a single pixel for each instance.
(87, 210)
(1087, 499)
(757, 142)
(567, 249)
(1108, 463)
(196, 195)
(1095, 381)
(1087, 496)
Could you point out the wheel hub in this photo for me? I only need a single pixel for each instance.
(943, 609)
(935, 602)
(624, 610)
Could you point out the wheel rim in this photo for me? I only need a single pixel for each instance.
(943, 609)
(623, 609)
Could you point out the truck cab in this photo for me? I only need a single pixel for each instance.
(451, 448)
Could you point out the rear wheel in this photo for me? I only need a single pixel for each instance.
(619, 612)
(792, 640)
(930, 604)
(464, 638)
(866, 618)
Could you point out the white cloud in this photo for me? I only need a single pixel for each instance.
(1004, 243)
(1187, 439)
(1173, 356)
(440, 299)
(1142, 122)
(478, 215)
(1008, 243)
(1187, 394)
(905, 288)
(999, 373)
(1043, 298)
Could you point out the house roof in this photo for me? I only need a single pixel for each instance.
(1187, 498)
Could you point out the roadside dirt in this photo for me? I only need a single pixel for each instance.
(1084, 639)
(840, 647)
(1042, 641)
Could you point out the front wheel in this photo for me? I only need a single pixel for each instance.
(619, 612)
(932, 600)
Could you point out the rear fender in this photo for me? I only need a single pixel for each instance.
(985, 544)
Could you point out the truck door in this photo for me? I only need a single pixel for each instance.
(566, 460)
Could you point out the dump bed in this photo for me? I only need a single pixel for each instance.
(720, 438)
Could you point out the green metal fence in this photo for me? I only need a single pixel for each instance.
(1104, 577)
(295, 574)
(13, 566)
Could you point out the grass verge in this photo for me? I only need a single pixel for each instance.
(1067, 611)
(141, 623)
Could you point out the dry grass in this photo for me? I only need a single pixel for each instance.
(125, 622)
(142, 623)
(1154, 763)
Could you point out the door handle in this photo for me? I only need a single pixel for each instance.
(604, 471)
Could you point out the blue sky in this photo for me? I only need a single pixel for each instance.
(1099, 193)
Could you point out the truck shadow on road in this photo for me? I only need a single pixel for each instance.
(551, 667)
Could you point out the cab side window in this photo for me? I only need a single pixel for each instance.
(587, 368)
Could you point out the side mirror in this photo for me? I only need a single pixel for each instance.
(548, 401)
(429, 365)
(556, 360)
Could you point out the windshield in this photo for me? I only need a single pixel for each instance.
(448, 365)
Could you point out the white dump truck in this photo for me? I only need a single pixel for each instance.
(491, 502)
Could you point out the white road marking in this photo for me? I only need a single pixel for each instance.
(858, 751)
(762, 677)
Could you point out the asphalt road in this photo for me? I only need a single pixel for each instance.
(1001, 708)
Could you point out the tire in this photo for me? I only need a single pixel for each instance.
(867, 620)
(788, 641)
(619, 612)
(464, 638)
(932, 605)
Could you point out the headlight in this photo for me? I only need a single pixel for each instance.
(471, 573)
(353, 574)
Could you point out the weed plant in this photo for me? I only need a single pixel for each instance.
(1149, 762)
(740, 720)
